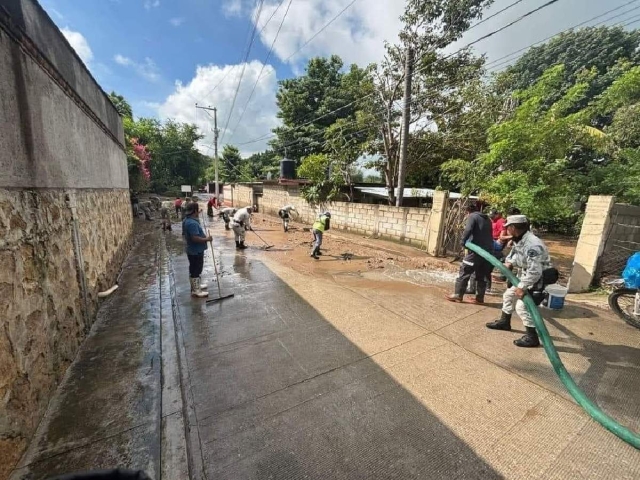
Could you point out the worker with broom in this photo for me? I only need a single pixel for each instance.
(284, 213)
(241, 223)
(196, 244)
(227, 214)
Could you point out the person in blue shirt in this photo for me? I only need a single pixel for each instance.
(196, 244)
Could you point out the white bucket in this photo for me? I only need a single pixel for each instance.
(556, 296)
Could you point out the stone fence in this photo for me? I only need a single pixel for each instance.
(65, 214)
(420, 227)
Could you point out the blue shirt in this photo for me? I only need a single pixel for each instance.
(191, 228)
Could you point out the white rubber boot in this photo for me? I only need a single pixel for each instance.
(197, 291)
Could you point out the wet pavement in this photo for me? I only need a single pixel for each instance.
(112, 408)
(329, 369)
(334, 368)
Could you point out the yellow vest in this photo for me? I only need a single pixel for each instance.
(321, 223)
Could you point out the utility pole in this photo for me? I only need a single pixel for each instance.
(215, 144)
(406, 118)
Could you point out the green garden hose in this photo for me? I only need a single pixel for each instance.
(578, 395)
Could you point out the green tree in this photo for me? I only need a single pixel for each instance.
(317, 169)
(309, 104)
(231, 162)
(437, 87)
(122, 106)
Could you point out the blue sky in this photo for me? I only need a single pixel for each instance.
(166, 55)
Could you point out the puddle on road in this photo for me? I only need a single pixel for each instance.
(422, 277)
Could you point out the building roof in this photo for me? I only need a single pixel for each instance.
(408, 192)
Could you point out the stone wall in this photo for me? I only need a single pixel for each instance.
(65, 215)
(404, 224)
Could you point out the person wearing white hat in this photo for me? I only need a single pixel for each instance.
(531, 255)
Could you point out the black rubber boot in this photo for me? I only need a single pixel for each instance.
(314, 254)
(237, 245)
(529, 339)
(242, 246)
(504, 323)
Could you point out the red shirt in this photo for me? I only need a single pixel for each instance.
(177, 203)
(212, 202)
(498, 227)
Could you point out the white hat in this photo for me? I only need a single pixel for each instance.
(516, 220)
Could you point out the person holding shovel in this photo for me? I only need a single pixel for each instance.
(284, 213)
(322, 224)
(196, 244)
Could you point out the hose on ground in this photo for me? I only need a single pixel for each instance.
(578, 395)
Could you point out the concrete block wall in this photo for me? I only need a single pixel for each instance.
(404, 224)
(242, 195)
(65, 214)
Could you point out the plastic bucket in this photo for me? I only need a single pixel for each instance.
(557, 293)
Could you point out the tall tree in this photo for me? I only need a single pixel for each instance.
(231, 164)
(309, 104)
(429, 27)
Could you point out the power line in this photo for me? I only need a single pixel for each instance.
(234, 66)
(246, 105)
(244, 66)
(484, 37)
(320, 31)
(495, 14)
(493, 62)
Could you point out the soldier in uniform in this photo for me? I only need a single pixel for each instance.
(284, 213)
(227, 214)
(241, 223)
(531, 256)
(146, 209)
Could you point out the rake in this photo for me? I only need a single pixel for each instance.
(215, 267)
(267, 246)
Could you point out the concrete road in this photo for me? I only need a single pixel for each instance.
(317, 373)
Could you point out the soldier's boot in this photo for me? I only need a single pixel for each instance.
(242, 245)
(196, 291)
(314, 253)
(529, 339)
(503, 323)
(237, 245)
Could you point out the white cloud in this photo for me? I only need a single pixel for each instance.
(79, 44)
(176, 21)
(147, 69)
(357, 35)
(257, 121)
(232, 8)
(149, 4)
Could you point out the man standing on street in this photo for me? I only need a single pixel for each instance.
(478, 231)
(530, 254)
(196, 244)
(323, 223)
(241, 223)
(178, 206)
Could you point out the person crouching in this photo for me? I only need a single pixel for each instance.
(196, 244)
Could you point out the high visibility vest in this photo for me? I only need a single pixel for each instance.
(321, 223)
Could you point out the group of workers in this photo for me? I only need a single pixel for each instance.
(528, 254)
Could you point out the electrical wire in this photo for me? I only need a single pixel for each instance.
(244, 66)
(246, 105)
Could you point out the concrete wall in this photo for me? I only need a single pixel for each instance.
(65, 216)
(408, 225)
(610, 234)
(242, 196)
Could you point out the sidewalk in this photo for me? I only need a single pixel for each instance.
(112, 408)
(303, 375)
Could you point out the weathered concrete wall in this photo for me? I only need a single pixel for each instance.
(65, 215)
(404, 224)
(242, 196)
(610, 235)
